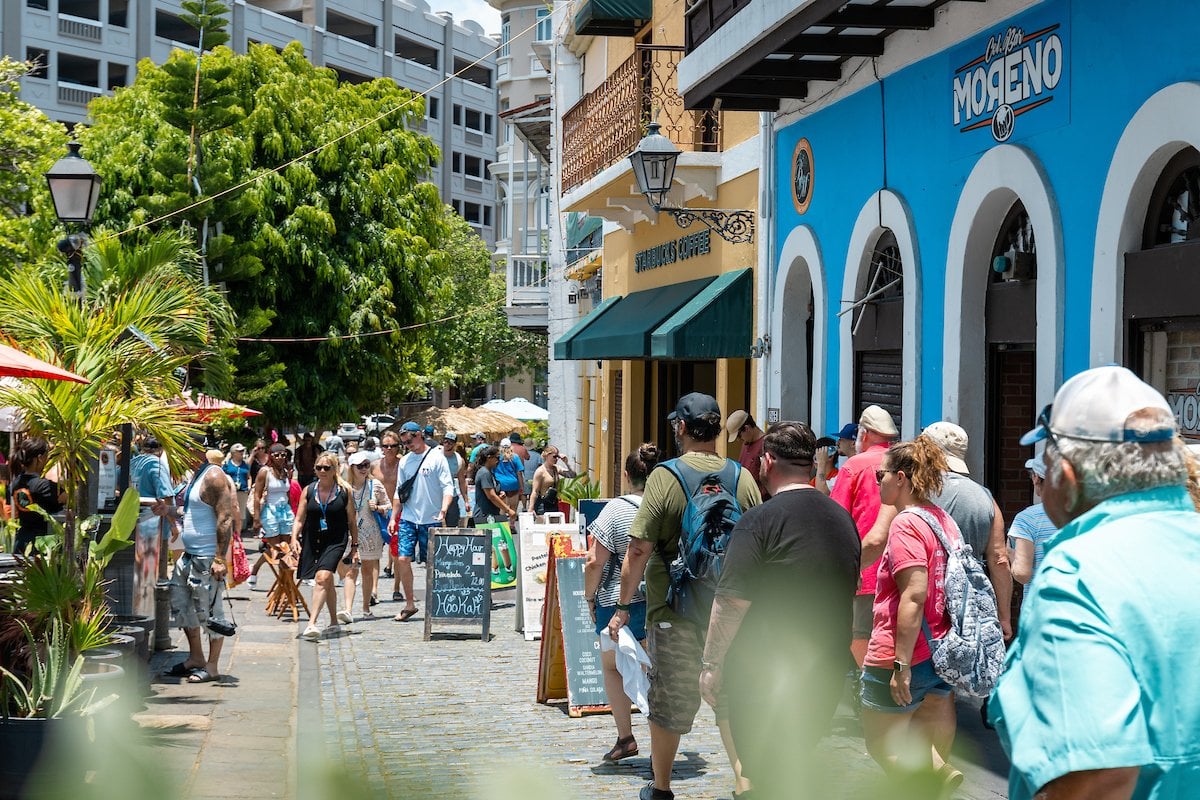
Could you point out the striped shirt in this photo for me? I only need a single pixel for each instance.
(611, 529)
(1033, 525)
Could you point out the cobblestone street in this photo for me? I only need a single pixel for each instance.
(457, 718)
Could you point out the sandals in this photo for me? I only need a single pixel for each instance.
(180, 670)
(202, 676)
(624, 748)
(405, 615)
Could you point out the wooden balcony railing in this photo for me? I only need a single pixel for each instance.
(607, 124)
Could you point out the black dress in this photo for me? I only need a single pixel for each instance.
(323, 549)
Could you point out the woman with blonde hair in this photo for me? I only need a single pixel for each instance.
(903, 698)
(326, 527)
(369, 498)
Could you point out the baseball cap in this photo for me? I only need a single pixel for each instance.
(450, 436)
(733, 425)
(429, 430)
(874, 418)
(515, 438)
(411, 427)
(506, 443)
(848, 431)
(953, 441)
(1037, 466)
(360, 457)
(693, 406)
(479, 437)
(239, 447)
(1106, 404)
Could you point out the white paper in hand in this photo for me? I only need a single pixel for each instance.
(632, 663)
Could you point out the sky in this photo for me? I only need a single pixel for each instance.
(477, 10)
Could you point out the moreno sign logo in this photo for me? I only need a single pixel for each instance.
(1004, 75)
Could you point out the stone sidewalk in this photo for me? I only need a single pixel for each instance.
(457, 718)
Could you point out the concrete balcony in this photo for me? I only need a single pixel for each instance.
(527, 296)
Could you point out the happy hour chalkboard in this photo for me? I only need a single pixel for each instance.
(459, 578)
(585, 675)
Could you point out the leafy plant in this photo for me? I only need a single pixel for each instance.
(572, 490)
(54, 686)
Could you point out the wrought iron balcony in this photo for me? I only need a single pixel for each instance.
(607, 124)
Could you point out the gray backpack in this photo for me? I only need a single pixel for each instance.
(970, 657)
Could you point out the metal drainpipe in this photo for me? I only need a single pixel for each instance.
(764, 273)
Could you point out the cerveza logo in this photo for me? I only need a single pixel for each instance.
(1016, 73)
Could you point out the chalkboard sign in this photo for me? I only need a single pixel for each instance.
(585, 675)
(459, 578)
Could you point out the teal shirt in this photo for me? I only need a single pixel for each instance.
(1104, 671)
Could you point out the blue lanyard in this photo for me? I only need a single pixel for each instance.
(336, 490)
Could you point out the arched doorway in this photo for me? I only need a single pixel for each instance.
(1010, 336)
(1161, 307)
(796, 364)
(877, 330)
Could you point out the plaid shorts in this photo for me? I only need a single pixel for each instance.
(675, 655)
(196, 596)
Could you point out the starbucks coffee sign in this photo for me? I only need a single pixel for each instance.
(688, 246)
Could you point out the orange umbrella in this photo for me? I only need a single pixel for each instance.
(205, 407)
(21, 365)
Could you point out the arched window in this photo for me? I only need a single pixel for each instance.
(1175, 204)
(878, 330)
(1017, 246)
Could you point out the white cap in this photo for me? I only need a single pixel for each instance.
(953, 441)
(360, 457)
(733, 425)
(1037, 466)
(505, 443)
(874, 418)
(1106, 404)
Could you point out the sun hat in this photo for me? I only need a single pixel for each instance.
(360, 457)
(735, 423)
(1106, 404)
(515, 438)
(874, 418)
(953, 441)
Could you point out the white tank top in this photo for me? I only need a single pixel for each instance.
(277, 489)
(199, 533)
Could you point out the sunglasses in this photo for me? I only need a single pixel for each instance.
(322, 468)
(362, 466)
(392, 446)
(279, 455)
(879, 473)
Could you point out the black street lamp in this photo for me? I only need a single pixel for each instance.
(654, 169)
(74, 188)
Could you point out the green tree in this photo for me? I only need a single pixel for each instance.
(476, 346)
(30, 143)
(342, 241)
(154, 287)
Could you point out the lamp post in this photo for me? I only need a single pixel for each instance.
(654, 169)
(74, 188)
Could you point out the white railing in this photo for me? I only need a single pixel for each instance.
(527, 280)
(76, 94)
(80, 28)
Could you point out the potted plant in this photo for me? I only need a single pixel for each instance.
(580, 487)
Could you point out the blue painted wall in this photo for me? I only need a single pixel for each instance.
(1119, 54)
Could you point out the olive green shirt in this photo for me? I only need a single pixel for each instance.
(659, 519)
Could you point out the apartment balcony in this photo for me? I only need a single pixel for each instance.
(603, 128)
(527, 298)
(751, 54)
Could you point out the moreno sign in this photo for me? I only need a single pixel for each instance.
(1017, 69)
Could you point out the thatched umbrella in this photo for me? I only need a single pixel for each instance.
(466, 421)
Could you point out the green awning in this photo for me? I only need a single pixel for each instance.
(612, 17)
(716, 323)
(562, 348)
(624, 329)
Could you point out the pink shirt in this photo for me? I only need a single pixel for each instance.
(857, 492)
(911, 543)
(750, 457)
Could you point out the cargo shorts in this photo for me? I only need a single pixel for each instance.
(676, 650)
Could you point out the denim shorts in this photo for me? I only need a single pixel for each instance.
(413, 539)
(636, 623)
(877, 688)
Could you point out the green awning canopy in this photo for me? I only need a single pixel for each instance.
(623, 330)
(612, 17)
(562, 348)
(715, 323)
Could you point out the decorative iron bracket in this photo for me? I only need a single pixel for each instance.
(735, 227)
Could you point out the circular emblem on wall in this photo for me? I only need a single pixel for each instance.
(1003, 123)
(802, 176)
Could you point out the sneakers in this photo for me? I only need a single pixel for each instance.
(332, 630)
(368, 615)
(312, 633)
(253, 580)
(345, 617)
(649, 792)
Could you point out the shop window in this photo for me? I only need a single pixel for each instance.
(1175, 203)
(1014, 257)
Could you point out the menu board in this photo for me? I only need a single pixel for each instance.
(459, 578)
(581, 647)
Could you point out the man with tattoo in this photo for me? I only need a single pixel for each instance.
(198, 581)
(676, 643)
(780, 624)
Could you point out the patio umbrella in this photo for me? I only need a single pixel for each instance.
(466, 421)
(518, 408)
(204, 407)
(22, 365)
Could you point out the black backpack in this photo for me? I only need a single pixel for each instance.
(708, 520)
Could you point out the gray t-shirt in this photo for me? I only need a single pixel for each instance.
(972, 509)
(484, 507)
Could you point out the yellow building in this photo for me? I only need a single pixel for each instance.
(676, 307)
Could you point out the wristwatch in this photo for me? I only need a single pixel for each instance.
(899, 666)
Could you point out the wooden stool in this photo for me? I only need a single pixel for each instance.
(284, 593)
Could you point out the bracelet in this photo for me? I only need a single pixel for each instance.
(622, 607)
(354, 545)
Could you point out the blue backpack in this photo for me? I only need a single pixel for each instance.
(708, 520)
